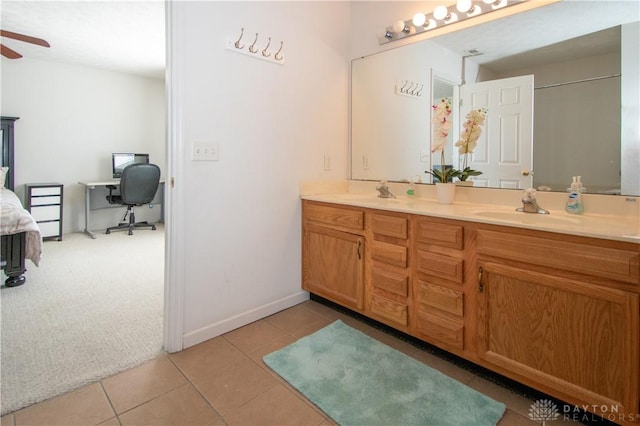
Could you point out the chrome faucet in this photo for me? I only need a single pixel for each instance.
(530, 204)
(384, 191)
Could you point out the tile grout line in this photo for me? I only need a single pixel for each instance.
(189, 382)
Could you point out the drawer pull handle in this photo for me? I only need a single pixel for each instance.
(480, 283)
(359, 245)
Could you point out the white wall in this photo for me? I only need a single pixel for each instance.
(71, 119)
(630, 148)
(239, 218)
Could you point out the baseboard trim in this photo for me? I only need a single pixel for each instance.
(216, 329)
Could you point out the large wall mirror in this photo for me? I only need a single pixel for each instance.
(585, 62)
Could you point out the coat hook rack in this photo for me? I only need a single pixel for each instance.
(409, 88)
(235, 45)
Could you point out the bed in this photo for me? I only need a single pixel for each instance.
(21, 239)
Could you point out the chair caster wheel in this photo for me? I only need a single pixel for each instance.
(153, 228)
(107, 232)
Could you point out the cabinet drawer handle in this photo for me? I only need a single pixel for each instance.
(480, 284)
(359, 245)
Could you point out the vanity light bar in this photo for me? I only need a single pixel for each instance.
(441, 16)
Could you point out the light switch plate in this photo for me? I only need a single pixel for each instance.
(205, 151)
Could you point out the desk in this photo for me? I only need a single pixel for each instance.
(95, 198)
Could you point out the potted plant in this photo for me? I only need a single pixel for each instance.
(468, 141)
(444, 175)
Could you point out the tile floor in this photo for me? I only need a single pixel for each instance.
(223, 381)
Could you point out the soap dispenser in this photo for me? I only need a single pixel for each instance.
(575, 204)
(412, 188)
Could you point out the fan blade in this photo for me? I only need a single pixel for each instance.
(9, 53)
(25, 38)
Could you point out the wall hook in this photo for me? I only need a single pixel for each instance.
(409, 90)
(278, 56)
(403, 86)
(265, 52)
(419, 92)
(252, 48)
(237, 43)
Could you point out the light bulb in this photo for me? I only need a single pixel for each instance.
(419, 19)
(440, 12)
(431, 23)
(398, 27)
(464, 6)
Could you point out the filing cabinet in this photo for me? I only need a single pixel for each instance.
(44, 202)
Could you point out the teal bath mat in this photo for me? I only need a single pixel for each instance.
(358, 381)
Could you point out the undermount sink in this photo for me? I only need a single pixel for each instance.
(531, 218)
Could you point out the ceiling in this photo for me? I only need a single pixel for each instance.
(123, 36)
(129, 36)
(558, 32)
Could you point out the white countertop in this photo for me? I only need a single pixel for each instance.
(611, 227)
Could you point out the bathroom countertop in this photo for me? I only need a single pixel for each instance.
(611, 227)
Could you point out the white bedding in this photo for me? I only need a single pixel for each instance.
(15, 219)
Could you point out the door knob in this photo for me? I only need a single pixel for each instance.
(526, 172)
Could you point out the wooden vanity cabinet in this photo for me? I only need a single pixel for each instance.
(333, 247)
(556, 312)
(561, 314)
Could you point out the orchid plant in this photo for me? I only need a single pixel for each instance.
(441, 126)
(469, 140)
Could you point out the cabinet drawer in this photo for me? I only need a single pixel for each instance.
(389, 309)
(438, 328)
(351, 219)
(442, 298)
(53, 190)
(49, 229)
(39, 201)
(440, 234)
(390, 281)
(389, 253)
(439, 265)
(605, 262)
(41, 213)
(389, 225)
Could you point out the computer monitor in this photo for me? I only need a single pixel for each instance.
(120, 160)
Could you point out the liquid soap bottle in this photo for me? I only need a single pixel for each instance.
(574, 200)
(412, 187)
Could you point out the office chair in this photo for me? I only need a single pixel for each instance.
(138, 185)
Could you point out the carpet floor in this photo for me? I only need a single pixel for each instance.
(357, 380)
(91, 309)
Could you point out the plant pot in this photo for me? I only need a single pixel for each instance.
(445, 192)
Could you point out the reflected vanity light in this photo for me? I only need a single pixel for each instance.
(441, 16)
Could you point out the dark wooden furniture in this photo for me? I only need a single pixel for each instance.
(44, 202)
(12, 250)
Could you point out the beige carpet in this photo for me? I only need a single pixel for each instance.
(93, 308)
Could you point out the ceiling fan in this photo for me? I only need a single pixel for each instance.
(12, 54)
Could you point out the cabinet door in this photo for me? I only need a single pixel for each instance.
(332, 265)
(574, 340)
